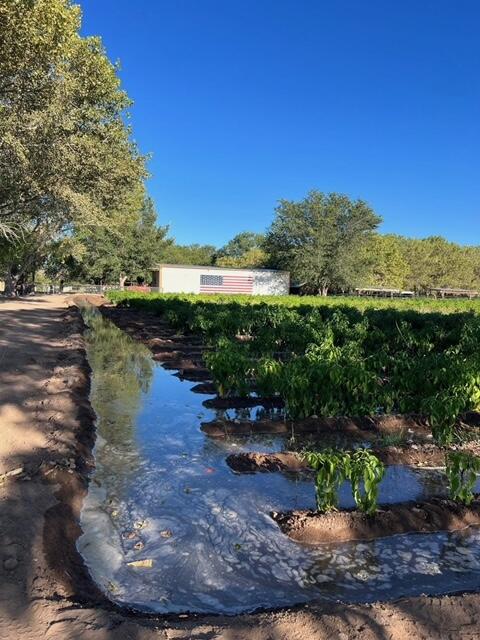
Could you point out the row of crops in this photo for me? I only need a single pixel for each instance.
(364, 472)
(338, 356)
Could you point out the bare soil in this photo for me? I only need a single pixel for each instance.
(362, 428)
(418, 455)
(47, 433)
(437, 514)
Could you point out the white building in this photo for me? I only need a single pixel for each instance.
(181, 278)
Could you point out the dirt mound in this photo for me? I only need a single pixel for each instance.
(437, 514)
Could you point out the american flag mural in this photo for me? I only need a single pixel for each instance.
(226, 284)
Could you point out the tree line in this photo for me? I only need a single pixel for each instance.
(328, 242)
(73, 200)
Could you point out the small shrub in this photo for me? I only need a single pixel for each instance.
(230, 368)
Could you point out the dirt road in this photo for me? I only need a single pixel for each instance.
(46, 431)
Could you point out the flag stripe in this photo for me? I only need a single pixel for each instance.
(226, 284)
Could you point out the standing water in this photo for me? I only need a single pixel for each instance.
(162, 493)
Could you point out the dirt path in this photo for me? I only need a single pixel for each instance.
(46, 429)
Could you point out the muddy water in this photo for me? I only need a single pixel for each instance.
(161, 492)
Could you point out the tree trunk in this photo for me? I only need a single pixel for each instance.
(10, 284)
(323, 291)
(123, 279)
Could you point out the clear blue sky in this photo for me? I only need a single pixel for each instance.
(243, 102)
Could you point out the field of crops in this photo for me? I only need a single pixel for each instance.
(337, 356)
(356, 391)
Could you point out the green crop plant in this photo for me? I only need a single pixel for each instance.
(230, 368)
(462, 469)
(338, 356)
(330, 473)
(365, 472)
(361, 467)
(267, 376)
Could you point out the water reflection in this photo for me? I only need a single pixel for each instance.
(123, 371)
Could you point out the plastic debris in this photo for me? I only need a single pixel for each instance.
(141, 564)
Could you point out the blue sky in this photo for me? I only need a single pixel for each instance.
(244, 102)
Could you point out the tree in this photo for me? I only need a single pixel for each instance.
(245, 250)
(241, 244)
(198, 254)
(318, 239)
(472, 258)
(383, 263)
(20, 259)
(251, 259)
(125, 252)
(436, 263)
(66, 157)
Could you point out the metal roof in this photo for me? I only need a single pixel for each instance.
(195, 266)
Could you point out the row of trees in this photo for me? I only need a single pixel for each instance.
(331, 243)
(327, 242)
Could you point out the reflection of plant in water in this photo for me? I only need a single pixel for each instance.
(329, 570)
(362, 468)
(122, 371)
(462, 470)
(432, 481)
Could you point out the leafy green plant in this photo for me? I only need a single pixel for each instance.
(230, 368)
(394, 439)
(337, 356)
(267, 376)
(462, 469)
(330, 468)
(365, 472)
(362, 468)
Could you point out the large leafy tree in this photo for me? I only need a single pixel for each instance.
(434, 262)
(198, 254)
(113, 255)
(66, 157)
(317, 239)
(242, 251)
(382, 262)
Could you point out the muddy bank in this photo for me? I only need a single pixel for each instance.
(437, 514)
(46, 456)
(426, 455)
(61, 525)
(287, 461)
(362, 428)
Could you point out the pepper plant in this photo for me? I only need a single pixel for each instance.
(365, 472)
(361, 467)
(462, 469)
(330, 468)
